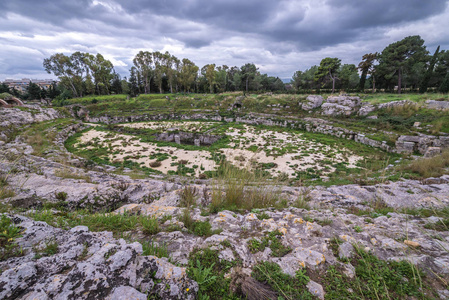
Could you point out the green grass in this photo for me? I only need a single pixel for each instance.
(375, 279)
(50, 248)
(379, 98)
(286, 286)
(158, 250)
(115, 223)
(41, 136)
(273, 241)
(428, 167)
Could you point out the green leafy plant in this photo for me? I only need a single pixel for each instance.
(8, 234)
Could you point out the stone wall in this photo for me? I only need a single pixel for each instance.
(424, 144)
(404, 144)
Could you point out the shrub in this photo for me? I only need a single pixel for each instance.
(61, 196)
(155, 164)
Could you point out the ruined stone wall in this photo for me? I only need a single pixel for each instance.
(425, 144)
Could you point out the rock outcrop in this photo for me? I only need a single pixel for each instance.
(312, 102)
(87, 265)
(340, 105)
(440, 105)
(26, 115)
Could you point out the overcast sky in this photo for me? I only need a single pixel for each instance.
(279, 36)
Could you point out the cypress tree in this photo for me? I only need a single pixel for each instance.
(429, 73)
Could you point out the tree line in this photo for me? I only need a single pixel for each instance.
(153, 72)
(402, 64)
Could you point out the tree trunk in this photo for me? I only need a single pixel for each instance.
(374, 83)
(145, 82)
(333, 84)
(399, 80)
(247, 79)
(75, 94)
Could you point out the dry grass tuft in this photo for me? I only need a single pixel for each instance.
(249, 287)
(429, 167)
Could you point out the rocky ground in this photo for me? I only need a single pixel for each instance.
(314, 229)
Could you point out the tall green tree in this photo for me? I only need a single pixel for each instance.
(208, 71)
(349, 77)
(425, 81)
(399, 57)
(133, 82)
(248, 73)
(102, 72)
(170, 63)
(367, 67)
(34, 91)
(188, 74)
(305, 80)
(144, 64)
(221, 77)
(159, 69)
(328, 69)
(441, 78)
(61, 66)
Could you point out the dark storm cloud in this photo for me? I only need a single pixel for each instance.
(384, 12)
(295, 21)
(268, 32)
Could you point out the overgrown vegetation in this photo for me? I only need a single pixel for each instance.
(8, 234)
(428, 167)
(286, 286)
(273, 241)
(209, 272)
(375, 279)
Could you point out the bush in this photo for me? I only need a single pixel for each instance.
(61, 196)
(155, 164)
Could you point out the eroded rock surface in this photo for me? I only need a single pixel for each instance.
(87, 265)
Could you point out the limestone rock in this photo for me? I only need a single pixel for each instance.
(88, 265)
(312, 101)
(432, 151)
(316, 289)
(340, 105)
(434, 104)
(366, 109)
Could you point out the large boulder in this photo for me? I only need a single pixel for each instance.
(434, 104)
(312, 101)
(366, 109)
(340, 105)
